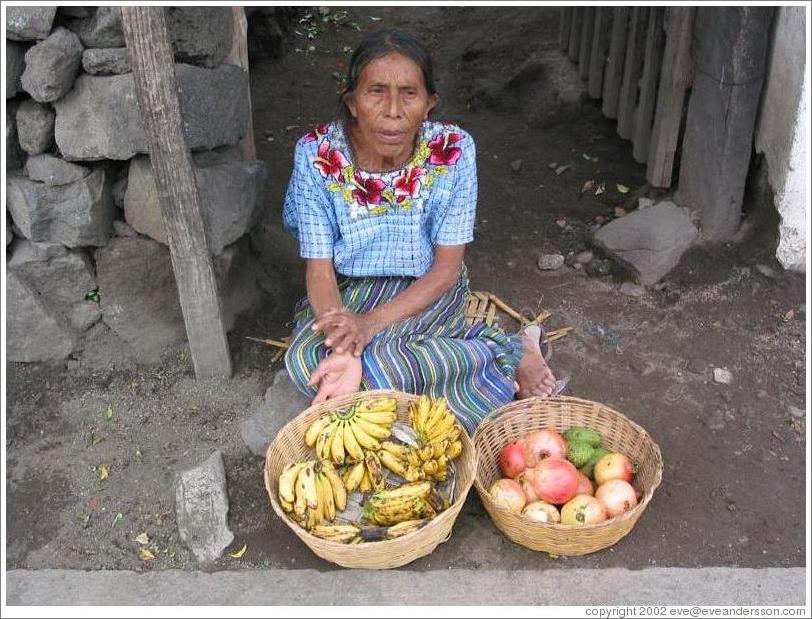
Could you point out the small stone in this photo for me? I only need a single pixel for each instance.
(761, 394)
(122, 228)
(577, 266)
(632, 290)
(645, 203)
(584, 257)
(552, 165)
(797, 412)
(599, 219)
(516, 165)
(722, 375)
(599, 268)
(561, 169)
(73, 365)
(570, 259)
(551, 262)
(620, 211)
(766, 271)
(561, 222)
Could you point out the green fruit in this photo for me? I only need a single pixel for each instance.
(580, 453)
(577, 434)
(589, 468)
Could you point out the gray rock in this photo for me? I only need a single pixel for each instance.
(797, 412)
(53, 170)
(201, 505)
(598, 267)
(200, 35)
(51, 66)
(15, 64)
(645, 203)
(9, 231)
(29, 23)
(230, 200)
(77, 12)
(102, 29)
(15, 156)
(213, 104)
(722, 375)
(516, 165)
(649, 242)
(282, 402)
(236, 280)
(766, 271)
(119, 190)
(60, 277)
(35, 126)
(139, 297)
(106, 61)
(584, 257)
(550, 262)
(632, 290)
(79, 213)
(122, 228)
(32, 332)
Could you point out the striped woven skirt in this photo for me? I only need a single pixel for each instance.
(433, 353)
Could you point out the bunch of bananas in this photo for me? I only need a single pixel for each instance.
(419, 463)
(344, 435)
(432, 421)
(411, 501)
(312, 492)
(349, 533)
(365, 475)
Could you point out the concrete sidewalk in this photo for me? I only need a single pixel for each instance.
(681, 586)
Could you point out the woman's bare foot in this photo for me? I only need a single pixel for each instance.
(533, 376)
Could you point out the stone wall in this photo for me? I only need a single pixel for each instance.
(782, 133)
(86, 246)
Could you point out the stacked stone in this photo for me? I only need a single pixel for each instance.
(85, 235)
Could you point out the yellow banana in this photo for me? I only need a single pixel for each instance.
(438, 411)
(342, 533)
(439, 448)
(337, 444)
(372, 429)
(442, 462)
(300, 501)
(420, 489)
(366, 482)
(315, 429)
(391, 461)
(399, 451)
(442, 427)
(402, 528)
(355, 476)
(413, 457)
(454, 450)
(307, 479)
(288, 507)
(338, 489)
(324, 438)
(424, 408)
(351, 445)
(364, 439)
(287, 481)
(329, 498)
(426, 452)
(378, 404)
(373, 463)
(321, 504)
(312, 518)
(413, 473)
(430, 467)
(381, 418)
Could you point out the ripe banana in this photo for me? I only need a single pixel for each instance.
(392, 462)
(374, 470)
(372, 429)
(364, 439)
(351, 445)
(382, 418)
(307, 482)
(454, 450)
(338, 489)
(315, 429)
(323, 439)
(329, 506)
(342, 533)
(366, 482)
(397, 450)
(337, 444)
(377, 404)
(420, 489)
(287, 481)
(355, 475)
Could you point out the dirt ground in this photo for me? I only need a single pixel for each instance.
(734, 479)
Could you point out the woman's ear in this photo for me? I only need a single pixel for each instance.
(349, 101)
(433, 101)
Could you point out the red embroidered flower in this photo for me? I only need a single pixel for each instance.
(330, 162)
(408, 185)
(367, 190)
(442, 151)
(316, 134)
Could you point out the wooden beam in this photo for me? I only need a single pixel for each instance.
(597, 59)
(150, 51)
(614, 64)
(586, 42)
(674, 80)
(575, 33)
(239, 56)
(632, 66)
(644, 113)
(564, 25)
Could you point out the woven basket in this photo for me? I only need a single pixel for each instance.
(289, 446)
(619, 433)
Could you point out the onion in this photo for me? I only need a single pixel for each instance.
(539, 511)
(555, 480)
(613, 466)
(584, 485)
(525, 480)
(543, 444)
(512, 458)
(617, 496)
(507, 494)
(582, 510)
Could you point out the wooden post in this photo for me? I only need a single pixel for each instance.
(614, 64)
(674, 80)
(586, 42)
(597, 59)
(644, 113)
(631, 73)
(575, 33)
(239, 56)
(564, 25)
(153, 67)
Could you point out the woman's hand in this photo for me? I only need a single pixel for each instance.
(337, 374)
(346, 331)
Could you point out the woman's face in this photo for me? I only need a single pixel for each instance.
(389, 104)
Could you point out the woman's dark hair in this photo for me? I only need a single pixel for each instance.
(377, 45)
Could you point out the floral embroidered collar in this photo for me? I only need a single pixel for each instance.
(373, 193)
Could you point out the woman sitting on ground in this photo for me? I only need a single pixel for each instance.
(382, 204)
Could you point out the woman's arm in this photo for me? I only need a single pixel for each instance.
(322, 287)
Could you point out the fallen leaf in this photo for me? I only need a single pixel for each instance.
(585, 156)
(622, 188)
(119, 516)
(108, 414)
(375, 18)
(588, 185)
(552, 165)
(142, 539)
(788, 315)
(145, 555)
(562, 168)
(103, 471)
(600, 188)
(239, 553)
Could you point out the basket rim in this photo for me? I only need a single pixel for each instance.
(510, 410)
(369, 547)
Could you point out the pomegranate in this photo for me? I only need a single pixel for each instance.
(555, 480)
(583, 509)
(511, 460)
(613, 466)
(539, 511)
(543, 444)
(584, 485)
(508, 494)
(617, 496)
(525, 480)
